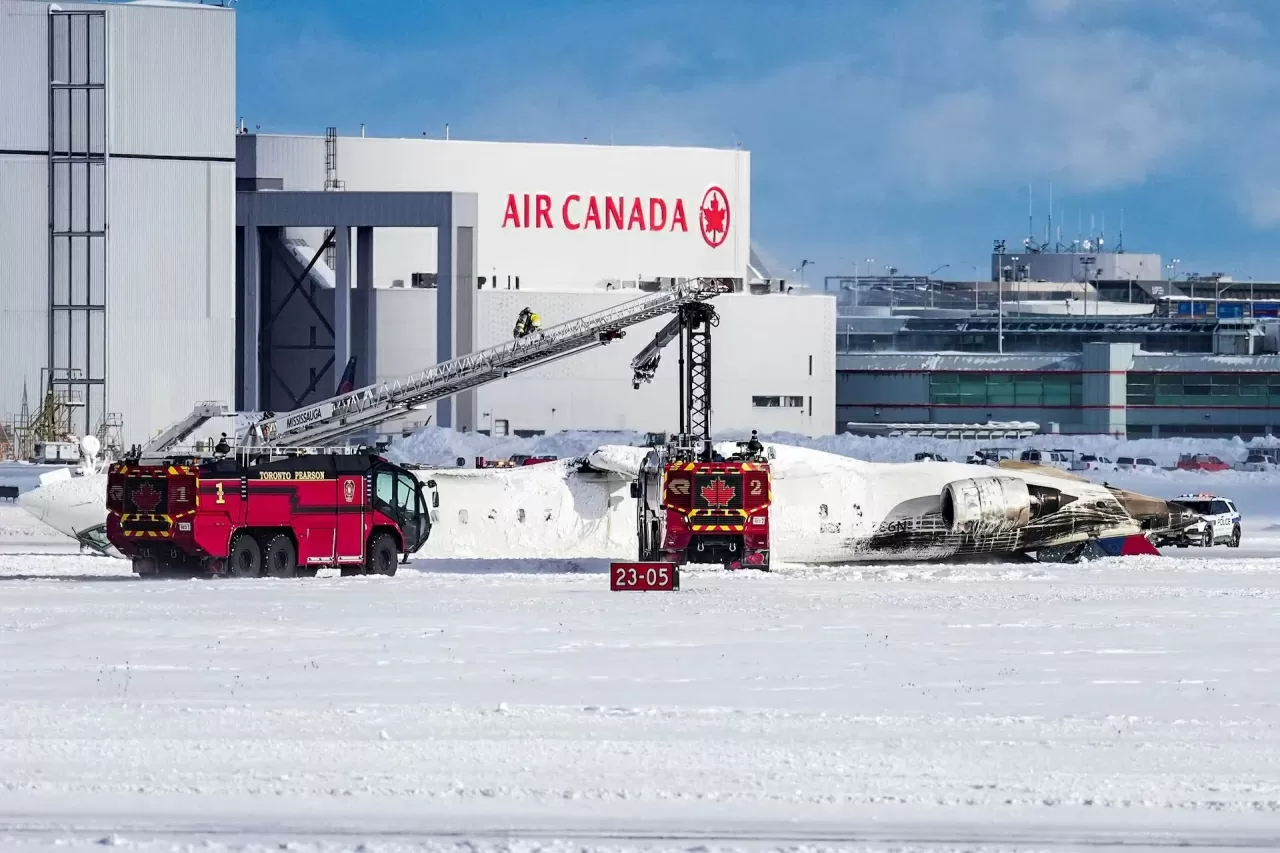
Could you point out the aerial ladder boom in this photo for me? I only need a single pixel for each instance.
(375, 404)
(692, 325)
(384, 401)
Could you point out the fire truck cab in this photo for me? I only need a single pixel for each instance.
(708, 510)
(274, 514)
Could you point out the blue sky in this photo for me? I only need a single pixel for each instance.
(905, 131)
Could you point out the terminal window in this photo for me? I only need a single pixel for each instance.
(1005, 389)
(1245, 390)
(777, 402)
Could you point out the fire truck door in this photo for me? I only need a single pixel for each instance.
(350, 519)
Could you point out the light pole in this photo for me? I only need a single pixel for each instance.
(856, 287)
(999, 245)
(930, 282)
(975, 286)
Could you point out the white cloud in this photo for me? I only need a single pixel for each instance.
(853, 110)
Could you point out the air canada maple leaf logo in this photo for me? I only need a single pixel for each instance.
(146, 498)
(713, 217)
(718, 492)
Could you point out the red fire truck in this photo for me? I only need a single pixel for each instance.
(705, 511)
(276, 514)
(692, 505)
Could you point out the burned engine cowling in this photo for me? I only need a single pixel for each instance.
(992, 504)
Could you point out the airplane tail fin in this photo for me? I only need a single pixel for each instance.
(348, 382)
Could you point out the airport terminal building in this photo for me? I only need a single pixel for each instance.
(1093, 350)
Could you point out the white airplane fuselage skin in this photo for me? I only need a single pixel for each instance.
(827, 509)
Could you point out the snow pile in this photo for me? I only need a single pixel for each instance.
(438, 446)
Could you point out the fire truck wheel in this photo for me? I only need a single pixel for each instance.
(380, 559)
(245, 559)
(281, 557)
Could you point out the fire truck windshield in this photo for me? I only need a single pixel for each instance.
(399, 494)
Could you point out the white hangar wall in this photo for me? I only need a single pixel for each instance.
(557, 216)
(133, 287)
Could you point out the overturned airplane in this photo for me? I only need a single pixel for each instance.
(827, 510)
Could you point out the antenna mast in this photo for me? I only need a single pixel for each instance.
(1048, 228)
(1031, 220)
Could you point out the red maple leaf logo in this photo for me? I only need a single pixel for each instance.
(146, 498)
(718, 492)
(713, 217)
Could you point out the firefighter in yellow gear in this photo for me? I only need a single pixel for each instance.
(526, 323)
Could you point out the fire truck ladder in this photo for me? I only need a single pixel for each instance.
(692, 324)
(358, 410)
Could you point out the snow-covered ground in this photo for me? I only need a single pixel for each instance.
(518, 705)
(462, 704)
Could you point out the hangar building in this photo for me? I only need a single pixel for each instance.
(564, 229)
(117, 208)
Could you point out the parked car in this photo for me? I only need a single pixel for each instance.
(1050, 458)
(1219, 521)
(926, 456)
(1261, 460)
(990, 455)
(1201, 462)
(1132, 463)
(1090, 462)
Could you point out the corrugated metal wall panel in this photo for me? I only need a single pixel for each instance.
(296, 160)
(172, 83)
(25, 336)
(24, 235)
(171, 302)
(24, 77)
(24, 289)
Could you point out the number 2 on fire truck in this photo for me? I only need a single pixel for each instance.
(757, 487)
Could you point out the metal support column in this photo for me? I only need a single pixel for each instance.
(341, 300)
(445, 311)
(250, 318)
(77, 199)
(364, 313)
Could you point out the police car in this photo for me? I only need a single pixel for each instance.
(1219, 521)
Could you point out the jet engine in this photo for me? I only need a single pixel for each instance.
(994, 504)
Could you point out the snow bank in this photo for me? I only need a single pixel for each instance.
(437, 446)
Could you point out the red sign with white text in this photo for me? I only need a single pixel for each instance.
(644, 577)
(575, 212)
